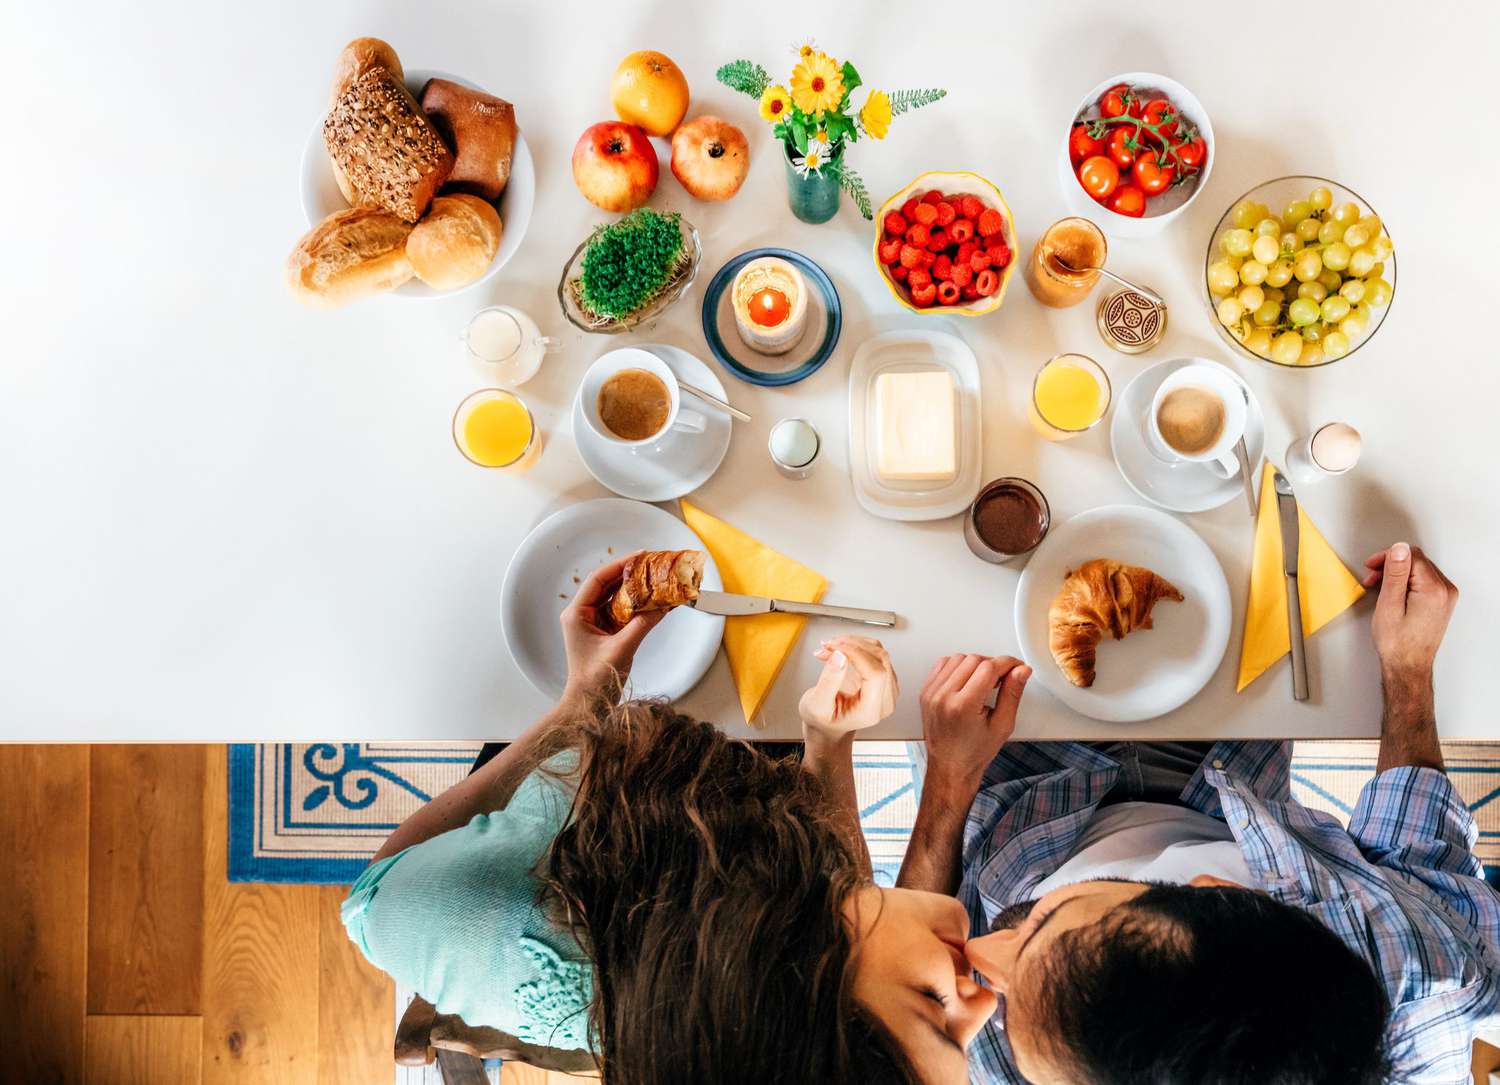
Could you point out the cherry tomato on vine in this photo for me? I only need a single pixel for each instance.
(1128, 200)
(1151, 176)
(1192, 153)
(1099, 176)
(1081, 145)
(1115, 101)
(1157, 109)
(1121, 147)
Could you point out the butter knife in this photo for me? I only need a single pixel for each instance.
(1242, 454)
(1286, 508)
(739, 606)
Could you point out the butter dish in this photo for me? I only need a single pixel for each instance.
(891, 479)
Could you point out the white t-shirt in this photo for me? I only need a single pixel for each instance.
(1151, 841)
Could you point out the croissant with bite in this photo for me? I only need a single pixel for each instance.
(1100, 596)
(654, 580)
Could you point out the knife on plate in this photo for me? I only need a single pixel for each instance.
(1286, 508)
(739, 606)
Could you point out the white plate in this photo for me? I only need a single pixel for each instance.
(1181, 487)
(1152, 671)
(680, 462)
(321, 196)
(913, 350)
(573, 543)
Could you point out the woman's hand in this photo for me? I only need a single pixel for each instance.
(857, 688)
(963, 735)
(599, 662)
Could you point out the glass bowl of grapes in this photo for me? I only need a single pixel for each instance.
(1300, 272)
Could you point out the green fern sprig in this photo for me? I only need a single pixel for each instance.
(744, 76)
(854, 186)
(902, 100)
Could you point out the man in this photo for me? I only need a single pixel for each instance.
(1166, 913)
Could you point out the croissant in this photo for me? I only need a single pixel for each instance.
(655, 580)
(1100, 596)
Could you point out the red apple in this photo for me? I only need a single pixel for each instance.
(614, 166)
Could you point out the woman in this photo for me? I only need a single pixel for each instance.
(676, 902)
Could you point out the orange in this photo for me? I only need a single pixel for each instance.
(650, 91)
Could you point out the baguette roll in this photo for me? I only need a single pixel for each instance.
(358, 57)
(350, 254)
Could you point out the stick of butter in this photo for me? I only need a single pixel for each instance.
(915, 436)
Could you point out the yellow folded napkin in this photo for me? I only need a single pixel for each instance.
(1325, 586)
(757, 646)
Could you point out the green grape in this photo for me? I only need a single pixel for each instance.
(1230, 311)
(1320, 198)
(1331, 280)
(1290, 241)
(1353, 291)
(1346, 214)
(1335, 345)
(1314, 291)
(1307, 229)
(1221, 277)
(1258, 342)
(1361, 262)
(1308, 265)
(1252, 273)
(1276, 294)
(1279, 273)
(1251, 297)
(1330, 232)
(1302, 311)
(1371, 222)
(1354, 324)
(1381, 247)
(1336, 256)
(1335, 308)
(1286, 348)
(1295, 212)
(1355, 236)
(1268, 313)
(1245, 215)
(1237, 242)
(1311, 333)
(1266, 249)
(1268, 227)
(1312, 354)
(1379, 293)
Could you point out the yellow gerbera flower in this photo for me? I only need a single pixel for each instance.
(817, 84)
(774, 103)
(876, 114)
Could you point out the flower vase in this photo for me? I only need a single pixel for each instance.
(815, 197)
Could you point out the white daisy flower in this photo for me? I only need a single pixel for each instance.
(814, 160)
(805, 48)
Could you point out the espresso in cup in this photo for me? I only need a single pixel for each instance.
(634, 404)
(1190, 419)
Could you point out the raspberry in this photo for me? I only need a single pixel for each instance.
(890, 250)
(918, 235)
(938, 240)
(963, 275)
(979, 261)
(925, 213)
(946, 213)
(909, 208)
(911, 256)
(990, 223)
(965, 251)
(928, 258)
(971, 207)
(948, 294)
(986, 282)
(933, 197)
(895, 224)
(918, 276)
(961, 230)
(924, 296)
(970, 292)
(899, 273)
(999, 255)
(942, 267)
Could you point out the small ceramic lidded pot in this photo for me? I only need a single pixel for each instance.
(770, 305)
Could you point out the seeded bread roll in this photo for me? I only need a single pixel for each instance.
(480, 128)
(358, 57)
(389, 151)
(454, 244)
(349, 255)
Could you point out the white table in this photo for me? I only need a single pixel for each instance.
(226, 517)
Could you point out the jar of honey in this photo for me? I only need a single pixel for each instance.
(1076, 243)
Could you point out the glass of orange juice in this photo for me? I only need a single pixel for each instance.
(493, 428)
(1070, 396)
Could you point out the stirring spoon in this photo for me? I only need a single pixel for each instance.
(1151, 295)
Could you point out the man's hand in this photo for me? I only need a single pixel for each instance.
(1411, 615)
(962, 734)
(599, 662)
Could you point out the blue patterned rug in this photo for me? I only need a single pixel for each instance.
(316, 812)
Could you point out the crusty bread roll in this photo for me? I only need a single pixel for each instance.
(350, 254)
(391, 154)
(358, 57)
(455, 243)
(480, 128)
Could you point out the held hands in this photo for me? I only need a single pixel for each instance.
(599, 662)
(857, 688)
(962, 734)
(1411, 615)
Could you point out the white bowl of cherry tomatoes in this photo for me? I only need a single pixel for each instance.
(1137, 152)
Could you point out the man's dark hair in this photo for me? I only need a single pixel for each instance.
(1212, 986)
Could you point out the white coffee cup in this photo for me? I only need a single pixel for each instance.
(1218, 382)
(615, 361)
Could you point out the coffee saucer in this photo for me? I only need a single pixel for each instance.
(677, 464)
(1180, 487)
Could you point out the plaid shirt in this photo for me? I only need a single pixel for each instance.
(1400, 885)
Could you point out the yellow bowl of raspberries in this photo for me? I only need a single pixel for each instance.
(946, 243)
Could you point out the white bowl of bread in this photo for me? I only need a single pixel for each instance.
(415, 183)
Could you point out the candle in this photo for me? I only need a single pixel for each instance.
(770, 305)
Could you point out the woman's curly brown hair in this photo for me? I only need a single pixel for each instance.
(707, 881)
